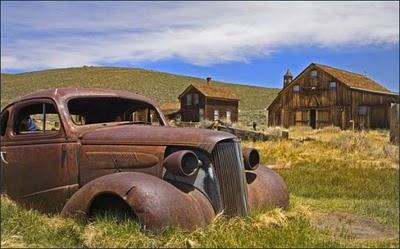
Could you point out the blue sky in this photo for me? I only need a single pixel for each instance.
(243, 42)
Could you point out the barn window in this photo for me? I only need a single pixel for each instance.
(195, 99)
(216, 115)
(332, 85)
(362, 110)
(296, 88)
(189, 99)
(314, 73)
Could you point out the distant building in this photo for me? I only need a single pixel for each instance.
(171, 110)
(323, 96)
(210, 102)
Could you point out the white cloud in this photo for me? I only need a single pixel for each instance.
(63, 34)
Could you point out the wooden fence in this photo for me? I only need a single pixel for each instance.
(253, 135)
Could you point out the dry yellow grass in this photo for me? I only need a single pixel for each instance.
(340, 174)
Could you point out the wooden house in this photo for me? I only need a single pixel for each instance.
(324, 96)
(210, 102)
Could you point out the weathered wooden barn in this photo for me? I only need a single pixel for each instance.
(324, 96)
(210, 102)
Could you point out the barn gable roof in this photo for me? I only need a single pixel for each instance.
(353, 80)
(212, 91)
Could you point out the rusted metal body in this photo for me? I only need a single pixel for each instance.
(75, 166)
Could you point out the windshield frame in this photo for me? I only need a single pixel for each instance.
(160, 115)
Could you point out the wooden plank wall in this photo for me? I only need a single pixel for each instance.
(222, 106)
(336, 107)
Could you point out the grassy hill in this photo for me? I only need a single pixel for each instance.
(162, 87)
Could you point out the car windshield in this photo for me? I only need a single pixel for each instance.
(95, 110)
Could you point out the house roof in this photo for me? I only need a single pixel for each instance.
(212, 91)
(353, 80)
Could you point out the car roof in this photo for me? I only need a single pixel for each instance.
(66, 93)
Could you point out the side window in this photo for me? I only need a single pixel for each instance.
(37, 118)
(296, 88)
(4, 121)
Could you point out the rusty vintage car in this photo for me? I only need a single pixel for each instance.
(79, 151)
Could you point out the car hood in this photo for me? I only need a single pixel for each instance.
(154, 135)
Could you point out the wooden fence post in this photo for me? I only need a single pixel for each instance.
(394, 123)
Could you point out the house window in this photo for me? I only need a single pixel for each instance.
(296, 88)
(314, 73)
(195, 99)
(228, 116)
(189, 99)
(362, 110)
(332, 85)
(201, 114)
(216, 115)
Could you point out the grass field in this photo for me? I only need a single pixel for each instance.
(344, 192)
(162, 87)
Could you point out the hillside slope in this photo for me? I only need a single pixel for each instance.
(162, 87)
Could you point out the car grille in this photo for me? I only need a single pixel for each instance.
(229, 168)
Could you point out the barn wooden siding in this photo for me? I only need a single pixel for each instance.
(332, 106)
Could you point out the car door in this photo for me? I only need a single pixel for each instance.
(34, 155)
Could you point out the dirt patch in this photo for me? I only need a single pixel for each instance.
(358, 227)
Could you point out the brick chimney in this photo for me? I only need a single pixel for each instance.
(208, 81)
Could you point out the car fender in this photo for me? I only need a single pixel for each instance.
(266, 189)
(156, 203)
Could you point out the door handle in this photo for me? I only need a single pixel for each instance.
(3, 153)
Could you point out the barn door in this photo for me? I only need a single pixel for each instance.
(313, 118)
(363, 117)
